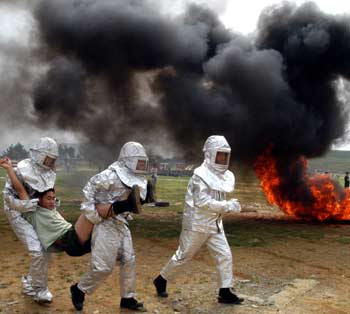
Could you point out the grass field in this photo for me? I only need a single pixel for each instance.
(334, 161)
(270, 252)
(165, 222)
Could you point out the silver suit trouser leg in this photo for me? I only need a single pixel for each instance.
(189, 244)
(221, 253)
(111, 242)
(38, 270)
(127, 261)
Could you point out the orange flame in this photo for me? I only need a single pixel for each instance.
(328, 201)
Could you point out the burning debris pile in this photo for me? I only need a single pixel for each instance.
(299, 194)
(275, 90)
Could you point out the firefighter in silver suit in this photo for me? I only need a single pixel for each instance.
(111, 241)
(37, 175)
(205, 205)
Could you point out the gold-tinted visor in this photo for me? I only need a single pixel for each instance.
(49, 162)
(222, 158)
(142, 165)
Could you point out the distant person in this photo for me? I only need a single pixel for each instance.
(346, 180)
(67, 165)
(151, 189)
(205, 205)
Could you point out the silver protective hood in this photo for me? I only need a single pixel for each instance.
(218, 177)
(126, 164)
(45, 147)
(37, 177)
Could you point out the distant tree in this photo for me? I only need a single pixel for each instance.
(66, 152)
(71, 152)
(16, 152)
(96, 155)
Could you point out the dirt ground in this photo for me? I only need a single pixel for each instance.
(296, 275)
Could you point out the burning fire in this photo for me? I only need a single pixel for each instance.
(314, 197)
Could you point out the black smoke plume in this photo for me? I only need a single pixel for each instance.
(276, 89)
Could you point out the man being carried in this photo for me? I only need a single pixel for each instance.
(53, 231)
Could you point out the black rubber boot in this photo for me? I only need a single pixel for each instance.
(226, 296)
(77, 296)
(160, 284)
(131, 304)
(131, 204)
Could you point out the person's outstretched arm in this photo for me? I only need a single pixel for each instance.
(16, 183)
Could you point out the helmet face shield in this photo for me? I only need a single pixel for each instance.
(134, 157)
(222, 158)
(44, 153)
(141, 165)
(49, 162)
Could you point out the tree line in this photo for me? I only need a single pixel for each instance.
(18, 152)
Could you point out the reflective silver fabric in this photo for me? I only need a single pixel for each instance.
(45, 147)
(112, 184)
(111, 244)
(129, 155)
(111, 241)
(205, 205)
(43, 295)
(190, 243)
(38, 270)
(224, 182)
(213, 145)
(27, 287)
(104, 188)
(129, 178)
(125, 166)
(13, 206)
(218, 177)
(34, 178)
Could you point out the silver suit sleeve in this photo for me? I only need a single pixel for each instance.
(203, 198)
(14, 203)
(88, 205)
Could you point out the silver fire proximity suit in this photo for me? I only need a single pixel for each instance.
(36, 177)
(205, 204)
(111, 241)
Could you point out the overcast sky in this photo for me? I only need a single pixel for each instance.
(243, 15)
(17, 26)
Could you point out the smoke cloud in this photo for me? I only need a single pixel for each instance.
(278, 89)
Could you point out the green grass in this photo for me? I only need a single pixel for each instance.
(165, 222)
(343, 240)
(173, 190)
(334, 160)
(253, 232)
(156, 228)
